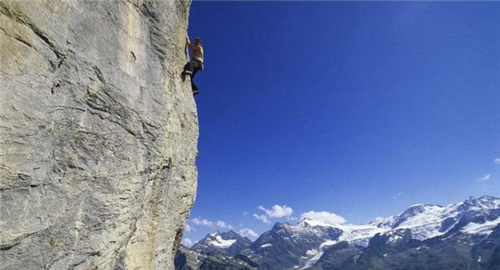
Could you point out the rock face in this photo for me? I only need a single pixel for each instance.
(98, 134)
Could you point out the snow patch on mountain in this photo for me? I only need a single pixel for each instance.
(425, 221)
(312, 252)
(226, 243)
(328, 243)
(354, 234)
(360, 234)
(485, 228)
(311, 261)
(221, 243)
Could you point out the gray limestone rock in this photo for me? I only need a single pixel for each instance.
(98, 133)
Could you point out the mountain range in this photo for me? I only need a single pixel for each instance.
(464, 235)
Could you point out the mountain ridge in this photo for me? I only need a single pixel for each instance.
(316, 244)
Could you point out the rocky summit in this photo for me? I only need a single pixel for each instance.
(98, 134)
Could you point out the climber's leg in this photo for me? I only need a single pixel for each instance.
(188, 70)
(191, 68)
(195, 88)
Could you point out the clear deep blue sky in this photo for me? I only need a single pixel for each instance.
(356, 108)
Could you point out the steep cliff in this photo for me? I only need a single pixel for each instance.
(98, 134)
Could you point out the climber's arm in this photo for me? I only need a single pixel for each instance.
(189, 44)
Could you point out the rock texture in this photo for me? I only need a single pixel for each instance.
(98, 134)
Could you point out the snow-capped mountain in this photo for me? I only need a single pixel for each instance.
(427, 221)
(421, 222)
(287, 245)
(429, 236)
(228, 243)
(187, 259)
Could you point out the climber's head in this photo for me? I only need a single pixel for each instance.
(197, 41)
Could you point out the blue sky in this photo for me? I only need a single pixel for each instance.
(355, 108)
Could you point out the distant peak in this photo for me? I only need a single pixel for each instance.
(307, 221)
(488, 198)
(483, 202)
(278, 225)
(231, 232)
(484, 198)
(214, 233)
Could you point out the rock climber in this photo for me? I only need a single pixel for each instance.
(196, 63)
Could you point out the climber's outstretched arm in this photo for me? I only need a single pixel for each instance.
(189, 44)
